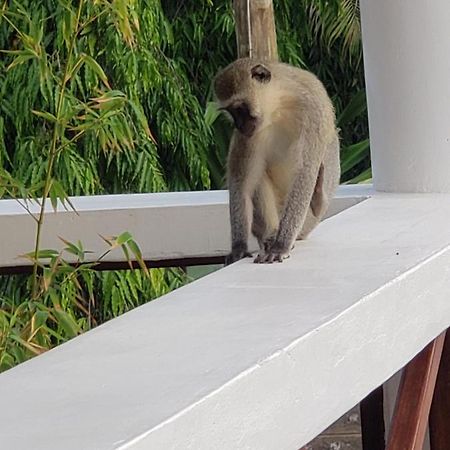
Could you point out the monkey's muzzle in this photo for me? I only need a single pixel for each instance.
(243, 120)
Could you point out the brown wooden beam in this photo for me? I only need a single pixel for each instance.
(410, 419)
(440, 408)
(123, 265)
(255, 29)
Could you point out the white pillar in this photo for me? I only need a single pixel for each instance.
(407, 64)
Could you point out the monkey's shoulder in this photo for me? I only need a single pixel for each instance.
(299, 82)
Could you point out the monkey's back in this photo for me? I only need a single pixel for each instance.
(307, 100)
(308, 113)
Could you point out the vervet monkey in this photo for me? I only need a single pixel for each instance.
(283, 162)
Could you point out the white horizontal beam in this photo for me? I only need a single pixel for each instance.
(407, 92)
(252, 356)
(165, 225)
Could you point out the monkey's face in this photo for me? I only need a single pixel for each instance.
(238, 89)
(242, 118)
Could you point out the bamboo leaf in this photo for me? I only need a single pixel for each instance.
(40, 318)
(142, 120)
(45, 115)
(73, 249)
(133, 246)
(95, 66)
(41, 254)
(124, 238)
(127, 255)
(67, 323)
(20, 60)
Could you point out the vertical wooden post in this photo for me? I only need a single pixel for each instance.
(255, 29)
(372, 421)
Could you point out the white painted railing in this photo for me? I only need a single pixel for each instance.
(167, 226)
(252, 356)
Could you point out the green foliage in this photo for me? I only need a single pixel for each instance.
(72, 298)
(319, 35)
(29, 328)
(121, 72)
(60, 117)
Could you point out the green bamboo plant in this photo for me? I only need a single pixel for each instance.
(74, 103)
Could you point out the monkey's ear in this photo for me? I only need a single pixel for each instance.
(261, 73)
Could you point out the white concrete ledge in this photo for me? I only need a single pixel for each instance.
(252, 356)
(166, 225)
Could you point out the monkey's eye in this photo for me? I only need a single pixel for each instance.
(261, 73)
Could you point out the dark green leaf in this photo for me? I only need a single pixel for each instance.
(123, 238)
(354, 109)
(67, 323)
(353, 155)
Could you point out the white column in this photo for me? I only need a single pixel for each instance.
(407, 64)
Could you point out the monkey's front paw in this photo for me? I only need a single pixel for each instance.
(260, 257)
(271, 257)
(236, 255)
(277, 253)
